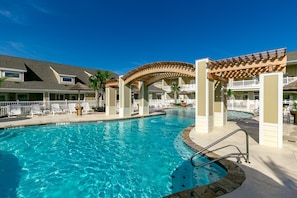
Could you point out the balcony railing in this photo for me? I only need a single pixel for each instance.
(245, 84)
(187, 87)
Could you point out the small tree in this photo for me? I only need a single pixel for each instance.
(2, 80)
(175, 88)
(97, 83)
(229, 93)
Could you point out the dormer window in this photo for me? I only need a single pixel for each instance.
(11, 74)
(67, 79)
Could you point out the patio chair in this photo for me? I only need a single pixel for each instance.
(14, 110)
(86, 107)
(71, 108)
(56, 108)
(36, 110)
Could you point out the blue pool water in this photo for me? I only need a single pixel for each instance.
(234, 115)
(133, 158)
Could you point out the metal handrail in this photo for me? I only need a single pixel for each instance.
(239, 154)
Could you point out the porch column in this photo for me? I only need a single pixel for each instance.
(125, 98)
(204, 98)
(220, 105)
(143, 99)
(46, 99)
(111, 101)
(271, 123)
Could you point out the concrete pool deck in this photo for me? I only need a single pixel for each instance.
(272, 172)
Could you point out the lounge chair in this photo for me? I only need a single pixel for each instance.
(56, 108)
(36, 110)
(86, 107)
(14, 110)
(71, 108)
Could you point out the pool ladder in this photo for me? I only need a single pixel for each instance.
(238, 155)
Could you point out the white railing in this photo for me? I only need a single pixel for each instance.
(246, 83)
(288, 80)
(255, 83)
(26, 105)
(186, 87)
(159, 103)
(243, 105)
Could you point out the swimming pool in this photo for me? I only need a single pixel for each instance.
(133, 158)
(234, 115)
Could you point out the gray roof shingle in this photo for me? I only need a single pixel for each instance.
(292, 55)
(40, 76)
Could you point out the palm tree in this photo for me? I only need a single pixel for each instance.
(175, 88)
(97, 83)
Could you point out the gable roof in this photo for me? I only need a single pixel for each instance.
(39, 76)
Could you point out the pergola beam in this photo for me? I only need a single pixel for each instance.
(249, 65)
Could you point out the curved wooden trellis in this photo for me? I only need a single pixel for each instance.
(153, 72)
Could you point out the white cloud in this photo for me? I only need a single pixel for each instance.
(5, 13)
(41, 9)
(9, 15)
(16, 45)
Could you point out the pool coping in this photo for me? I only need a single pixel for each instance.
(49, 122)
(234, 178)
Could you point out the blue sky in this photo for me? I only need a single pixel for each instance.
(120, 35)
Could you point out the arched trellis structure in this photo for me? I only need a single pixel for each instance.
(141, 78)
(210, 96)
(153, 72)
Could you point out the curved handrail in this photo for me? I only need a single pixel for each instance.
(220, 140)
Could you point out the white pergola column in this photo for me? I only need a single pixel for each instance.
(204, 98)
(271, 101)
(124, 98)
(143, 99)
(111, 101)
(220, 105)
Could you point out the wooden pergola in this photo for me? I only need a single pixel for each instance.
(247, 65)
(154, 72)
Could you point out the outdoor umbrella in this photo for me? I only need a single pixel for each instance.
(78, 86)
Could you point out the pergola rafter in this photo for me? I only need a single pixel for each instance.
(248, 65)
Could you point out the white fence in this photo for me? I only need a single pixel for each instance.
(243, 105)
(240, 105)
(26, 105)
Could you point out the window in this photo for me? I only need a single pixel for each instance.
(10, 74)
(256, 95)
(245, 96)
(67, 79)
(22, 97)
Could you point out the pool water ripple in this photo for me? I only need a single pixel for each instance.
(133, 158)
